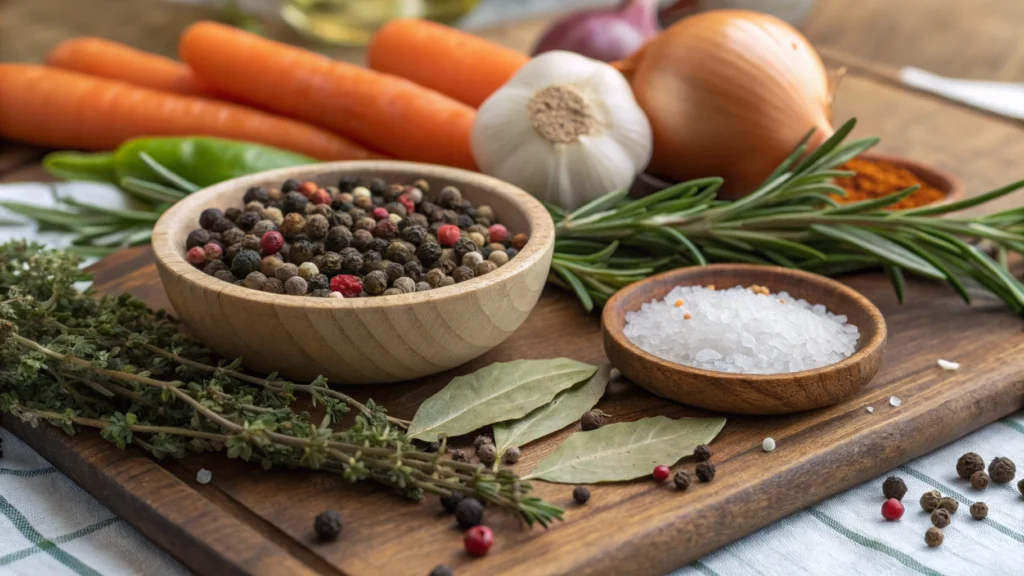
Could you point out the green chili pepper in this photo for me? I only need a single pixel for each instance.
(201, 160)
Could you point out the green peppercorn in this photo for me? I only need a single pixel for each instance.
(255, 280)
(471, 259)
(307, 270)
(484, 267)
(376, 282)
(399, 252)
(330, 263)
(286, 271)
(462, 274)
(273, 286)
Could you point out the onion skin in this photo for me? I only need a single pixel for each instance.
(604, 35)
(729, 93)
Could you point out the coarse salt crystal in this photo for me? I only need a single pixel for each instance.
(947, 365)
(768, 444)
(740, 331)
(204, 476)
(870, 409)
(895, 401)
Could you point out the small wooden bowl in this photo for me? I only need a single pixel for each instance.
(747, 393)
(358, 340)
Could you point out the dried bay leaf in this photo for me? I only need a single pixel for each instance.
(565, 409)
(495, 393)
(626, 450)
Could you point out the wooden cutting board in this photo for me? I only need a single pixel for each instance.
(248, 521)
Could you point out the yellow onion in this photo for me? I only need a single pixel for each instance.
(729, 93)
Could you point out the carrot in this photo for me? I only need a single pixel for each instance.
(463, 66)
(53, 107)
(107, 59)
(389, 113)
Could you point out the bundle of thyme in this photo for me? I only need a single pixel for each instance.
(76, 360)
(792, 220)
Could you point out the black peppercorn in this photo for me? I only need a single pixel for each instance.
(451, 501)
(330, 264)
(197, 237)
(224, 276)
(427, 208)
(372, 261)
(462, 274)
(347, 183)
(1002, 470)
(232, 236)
(511, 252)
(979, 480)
(968, 464)
(894, 487)
(301, 251)
(290, 185)
(512, 455)
(328, 525)
(428, 252)
(940, 518)
(320, 293)
(247, 220)
(342, 219)
(463, 221)
(257, 194)
(705, 471)
(377, 186)
(394, 271)
(232, 214)
(681, 480)
(365, 223)
(361, 240)
(433, 447)
(581, 494)
(230, 252)
(979, 510)
(209, 216)
(592, 419)
(319, 282)
(245, 263)
(215, 266)
(423, 287)
(399, 252)
(396, 208)
(378, 245)
(930, 500)
(414, 270)
(469, 512)
(450, 197)
(703, 453)
(1020, 487)
(375, 283)
(464, 246)
(442, 570)
(294, 202)
(414, 234)
(338, 238)
(351, 263)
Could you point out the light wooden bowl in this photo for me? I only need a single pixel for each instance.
(358, 340)
(747, 393)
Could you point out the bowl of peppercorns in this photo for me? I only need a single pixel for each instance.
(363, 272)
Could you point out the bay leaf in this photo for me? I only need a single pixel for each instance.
(501, 391)
(625, 450)
(565, 409)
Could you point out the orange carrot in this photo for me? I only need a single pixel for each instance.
(59, 108)
(463, 66)
(107, 59)
(389, 113)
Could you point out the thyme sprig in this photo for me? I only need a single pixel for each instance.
(792, 220)
(77, 361)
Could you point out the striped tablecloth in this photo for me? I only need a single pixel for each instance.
(50, 526)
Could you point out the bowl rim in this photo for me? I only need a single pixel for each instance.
(871, 347)
(541, 242)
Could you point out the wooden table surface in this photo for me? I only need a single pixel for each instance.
(204, 525)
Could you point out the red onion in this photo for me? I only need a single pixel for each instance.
(604, 35)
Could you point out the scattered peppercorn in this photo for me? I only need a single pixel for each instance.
(487, 454)
(892, 509)
(512, 455)
(681, 480)
(592, 420)
(703, 453)
(478, 540)
(482, 440)
(979, 510)
(940, 518)
(894, 487)
(930, 500)
(979, 480)
(705, 471)
(947, 503)
(328, 525)
(968, 464)
(469, 512)
(933, 537)
(442, 570)
(581, 494)
(1002, 470)
(459, 455)
(1020, 487)
(661, 472)
(451, 501)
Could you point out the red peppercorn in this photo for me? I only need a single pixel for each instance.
(321, 196)
(271, 242)
(892, 510)
(448, 235)
(478, 540)
(498, 233)
(661, 473)
(406, 201)
(379, 213)
(349, 286)
(196, 256)
(213, 251)
(307, 188)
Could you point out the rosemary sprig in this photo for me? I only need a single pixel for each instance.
(77, 361)
(792, 221)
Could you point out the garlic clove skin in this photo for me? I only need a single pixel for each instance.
(565, 128)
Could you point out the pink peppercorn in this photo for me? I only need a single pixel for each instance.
(213, 251)
(271, 242)
(892, 510)
(379, 213)
(498, 233)
(661, 473)
(321, 196)
(448, 235)
(406, 201)
(385, 229)
(196, 256)
(478, 540)
(349, 286)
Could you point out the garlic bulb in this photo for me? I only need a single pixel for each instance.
(565, 128)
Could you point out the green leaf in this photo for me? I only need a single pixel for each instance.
(576, 285)
(495, 393)
(168, 176)
(879, 246)
(565, 409)
(898, 283)
(626, 450)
